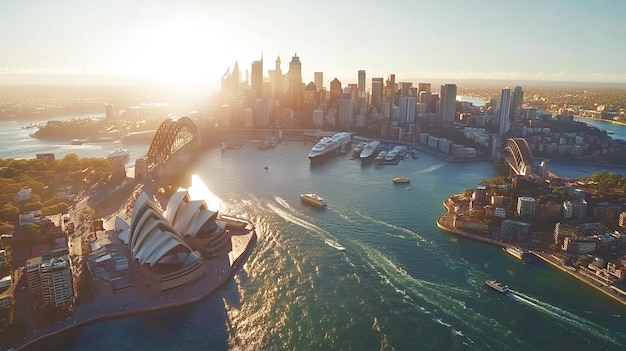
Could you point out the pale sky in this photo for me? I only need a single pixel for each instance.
(195, 42)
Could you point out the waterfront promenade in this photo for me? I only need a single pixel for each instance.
(445, 223)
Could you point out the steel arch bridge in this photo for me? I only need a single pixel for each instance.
(172, 135)
(517, 154)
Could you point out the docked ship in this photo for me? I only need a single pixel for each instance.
(119, 154)
(393, 153)
(497, 286)
(517, 252)
(381, 156)
(313, 199)
(329, 144)
(370, 149)
(358, 148)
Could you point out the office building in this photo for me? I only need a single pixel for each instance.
(390, 88)
(276, 81)
(377, 92)
(318, 79)
(295, 83)
(406, 109)
(335, 90)
(257, 77)
(447, 103)
(526, 206)
(346, 110)
(517, 99)
(361, 82)
(505, 103)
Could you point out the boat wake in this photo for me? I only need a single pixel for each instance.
(431, 168)
(567, 317)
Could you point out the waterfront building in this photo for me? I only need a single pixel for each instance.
(480, 193)
(447, 104)
(505, 102)
(515, 229)
(318, 118)
(563, 230)
(263, 110)
(346, 110)
(526, 206)
(56, 282)
(257, 77)
(622, 220)
(295, 83)
(578, 246)
(318, 79)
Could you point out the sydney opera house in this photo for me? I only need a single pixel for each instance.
(166, 245)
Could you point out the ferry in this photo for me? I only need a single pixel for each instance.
(497, 286)
(401, 180)
(517, 252)
(369, 149)
(328, 145)
(381, 156)
(358, 148)
(313, 199)
(334, 244)
(393, 153)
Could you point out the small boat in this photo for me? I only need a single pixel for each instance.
(401, 180)
(497, 286)
(313, 199)
(224, 146)
(77, 141)
(119, 153)
(334, 244)
(266, 168)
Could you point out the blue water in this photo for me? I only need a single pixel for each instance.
(473, 100)
(616, 131)
(401, 283)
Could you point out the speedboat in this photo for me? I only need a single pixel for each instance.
(334, 244)
(313, 199)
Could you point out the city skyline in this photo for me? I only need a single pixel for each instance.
(195, 43)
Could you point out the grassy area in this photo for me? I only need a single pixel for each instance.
(116, 198)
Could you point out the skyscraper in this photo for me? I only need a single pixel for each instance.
(447, 103)
(390, 89)
(318, 79)
(295, 83)
(276, 81)
(505, 109)
(361, 81)
(335, 90)
(346, 110)
(517, 99)
(407, 109)
(257, 77)
(377, 92)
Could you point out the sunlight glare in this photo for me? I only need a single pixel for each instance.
(199, 191)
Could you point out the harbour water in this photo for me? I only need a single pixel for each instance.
(400, 283)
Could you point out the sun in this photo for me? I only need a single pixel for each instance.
(185, 52)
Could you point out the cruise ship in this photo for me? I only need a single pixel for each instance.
(517, 252)
(370, 149)
(313, 199)
(497, 286)
(329, 144)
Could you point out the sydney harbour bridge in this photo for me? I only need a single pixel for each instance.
(176, 141)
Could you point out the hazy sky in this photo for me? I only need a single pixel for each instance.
(196, 41)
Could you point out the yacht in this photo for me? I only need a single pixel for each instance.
(497, 286)
(381, 156)
(393, 153)
(358, 148)
(77, 141)
(329, 144)
(370, 149)
(313, 199)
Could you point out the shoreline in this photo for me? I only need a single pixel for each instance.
(198, 290)
(444, 223)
